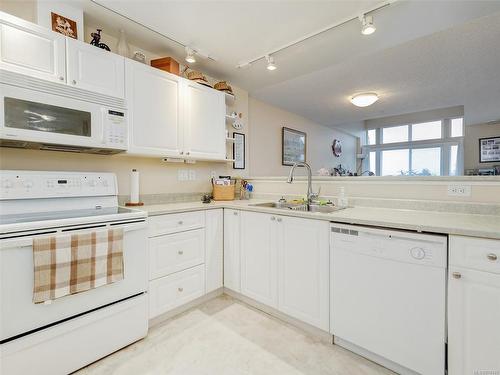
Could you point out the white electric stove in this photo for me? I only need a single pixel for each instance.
(73, 331)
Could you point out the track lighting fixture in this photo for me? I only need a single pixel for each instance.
(190, 55)
(368, 27)
(270, 63)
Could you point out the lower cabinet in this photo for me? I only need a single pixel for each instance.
(232, 264)
(169, 292)
(185, 258)
(285, 265)
(259, 257)
(474, 306)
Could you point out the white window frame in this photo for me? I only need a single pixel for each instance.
(445, 143)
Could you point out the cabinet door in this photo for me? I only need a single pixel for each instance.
(473, 322)
(153, 97)
(259, 257)
(29, 49)
(205, 123)
(303, 269)
(213, 249)
(232, 274)
(94, 69)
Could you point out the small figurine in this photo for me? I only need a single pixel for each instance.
(96, 40)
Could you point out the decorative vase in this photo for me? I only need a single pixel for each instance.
(122, 47)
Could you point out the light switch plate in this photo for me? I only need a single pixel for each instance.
(459, 190)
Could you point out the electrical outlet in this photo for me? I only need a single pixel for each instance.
(192, 175)
(459, 190)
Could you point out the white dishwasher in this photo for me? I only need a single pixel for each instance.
(388, 296)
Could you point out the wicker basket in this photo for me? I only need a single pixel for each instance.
(223, 192)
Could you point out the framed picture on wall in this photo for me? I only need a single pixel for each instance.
(293, 146)
(239, 151)
(489, 150)
(64, 25)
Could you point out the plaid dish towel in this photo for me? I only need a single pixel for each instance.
(74, 263)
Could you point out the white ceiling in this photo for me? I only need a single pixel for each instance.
(425, 54)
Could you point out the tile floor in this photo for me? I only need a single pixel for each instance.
(225, 336)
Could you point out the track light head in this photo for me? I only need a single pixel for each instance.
(190, 55)
(368, 27)
(270, 63)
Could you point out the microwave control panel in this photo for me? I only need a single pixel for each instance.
(115, 129)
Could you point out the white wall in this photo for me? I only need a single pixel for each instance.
(266, 122)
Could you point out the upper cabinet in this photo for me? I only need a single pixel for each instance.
(205, 123)
(94, 69)
(29, 49)
(154, 101)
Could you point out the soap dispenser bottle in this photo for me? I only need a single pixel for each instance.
(342, 201)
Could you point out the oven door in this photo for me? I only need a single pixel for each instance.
(19, 315)
(35, 116)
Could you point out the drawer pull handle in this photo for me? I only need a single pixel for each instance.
(492, 257)
(180, 252)
(181, 222)
(180, 289)
(273, 218)
(280, 220)
(456, 275)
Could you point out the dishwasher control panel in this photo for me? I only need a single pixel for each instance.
(397, 245)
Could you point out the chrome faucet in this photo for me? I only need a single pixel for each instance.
(311, 197)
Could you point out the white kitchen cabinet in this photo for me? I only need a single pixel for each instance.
(232, 266)
(204, 122)
(473, 306)
(94, 69)
(303, 269)
(29, 49)
(214, 249)
(259, 272)
(154, 100)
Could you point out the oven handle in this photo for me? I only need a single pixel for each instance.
(28, 241)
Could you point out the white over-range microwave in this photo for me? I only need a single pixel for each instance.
(50, 118)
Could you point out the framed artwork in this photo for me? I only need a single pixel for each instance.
(489, 150)
(63, 25)
(239, 151)
(293, 147)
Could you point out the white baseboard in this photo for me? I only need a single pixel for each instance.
(311, 330)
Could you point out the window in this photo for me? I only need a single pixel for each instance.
(395, 134)
(457, 127)
(431, 148)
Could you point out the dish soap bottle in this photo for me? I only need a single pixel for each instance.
(342, 201)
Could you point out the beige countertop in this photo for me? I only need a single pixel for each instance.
(487, 226)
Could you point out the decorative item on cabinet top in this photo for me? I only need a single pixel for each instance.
(167, 64)
(96, 40)
(337, 147)
(223, 86)
(199, 78)
(64, 25)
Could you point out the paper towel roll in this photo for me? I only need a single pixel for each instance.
(134, 186)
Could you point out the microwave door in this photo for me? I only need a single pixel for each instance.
(41, 117)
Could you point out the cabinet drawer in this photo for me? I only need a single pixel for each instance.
(476, 253)
(173, 223)
(175, 290)
(175, 252)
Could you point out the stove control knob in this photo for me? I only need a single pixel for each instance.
(417, 253)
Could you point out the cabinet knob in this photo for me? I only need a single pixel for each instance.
(456, 275)
(273, 218)
(180, 289)
(187, 153)
(74, 82)
(492, 257)
(235, 213)
(180, 252)
(182, 152)
(279, 220)
(180, 222)
(61, 78)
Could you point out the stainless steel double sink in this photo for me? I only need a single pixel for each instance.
(299, 207)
